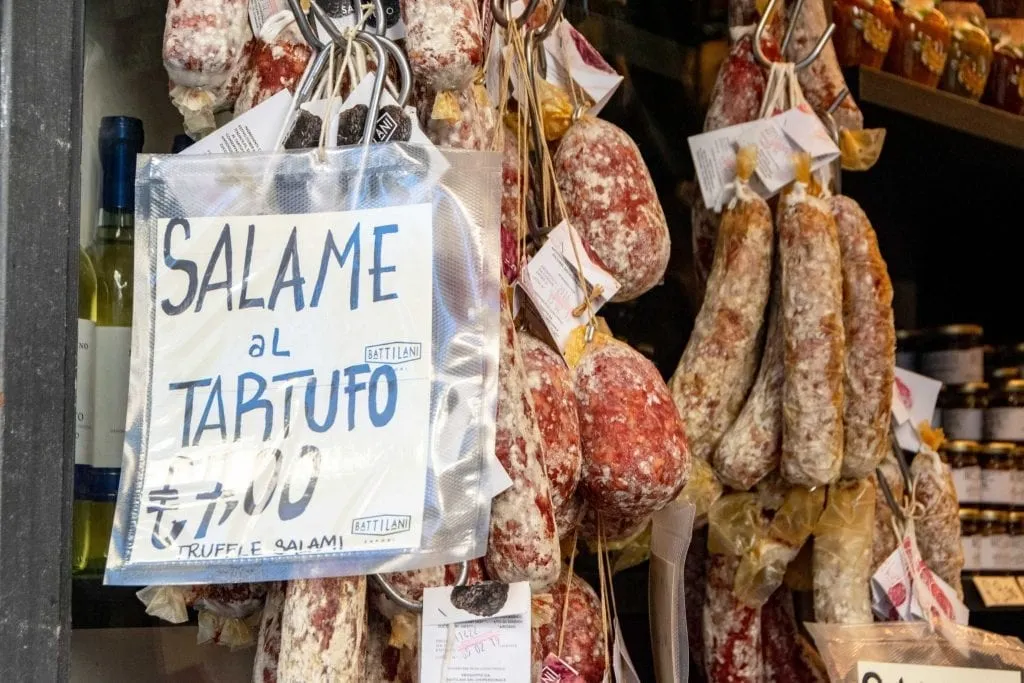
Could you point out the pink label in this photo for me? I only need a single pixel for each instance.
(556, 670)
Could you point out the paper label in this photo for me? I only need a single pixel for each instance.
(570, 55)
(963, 423)
(777, 138)
(916, 396)
(1004, 424)
(113, 363)
(996, 553)
(254, 131)
(997, 487)
(85, 377)
(894, 593)
(551, 279)
(972, 552)
(967, 481)
(880, 672)
(1017, 487)
(957, 366)
(999, 591)
(476, 634)
(290, 386)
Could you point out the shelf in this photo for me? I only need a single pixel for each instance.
(942, 108)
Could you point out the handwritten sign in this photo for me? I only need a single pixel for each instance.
(289, 395)
(882, 672)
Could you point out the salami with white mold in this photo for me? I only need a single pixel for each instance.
(268, 644)
(583, 644)
(323, 631)
(444, 42)
(731, 630)
(277, 64)
(610, 199)
(937, 522)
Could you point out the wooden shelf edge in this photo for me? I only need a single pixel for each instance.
(942, 108)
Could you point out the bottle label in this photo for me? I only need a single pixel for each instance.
(113, 362)
(963, 423)
(997, 487)
(1004, 424)
(968, 484)
(85, 392)
(957, 366)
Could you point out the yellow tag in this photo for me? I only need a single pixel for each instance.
(555, 110)
(446, 107)
(577, 344)
(931, 436)
(860, 149)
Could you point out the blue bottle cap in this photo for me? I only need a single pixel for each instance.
(121, 140)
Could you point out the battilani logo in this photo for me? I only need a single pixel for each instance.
(381, 525)
(394, 352)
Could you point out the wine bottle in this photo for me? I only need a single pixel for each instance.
(121, 139)
(84, 401)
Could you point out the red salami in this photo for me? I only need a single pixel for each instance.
(323, 630)
(523, 545)
(512, 225)
(476, 573)
(277, 64)
(381, 660)
(410, 584)
(732, 631)
(583, 645)
(268, 645)
(635, 457)
(615, 529)
(555, 404)
(205, 41)
(444, 42)
(471, 126)
(610, 199)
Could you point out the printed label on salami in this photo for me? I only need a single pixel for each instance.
(883, 672)
(288, 415)
(963, 423)
(958, 366)
(968, 484)
(1004, 424)
(997, 487)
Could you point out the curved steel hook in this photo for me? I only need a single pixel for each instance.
(412, 605)
(500, 16)
(762, 24)
(544, 31)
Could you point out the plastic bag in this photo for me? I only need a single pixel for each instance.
(842, 554)
(313, 365)
(702, 490)
(671, 534)
(735, 524)
(846, 648)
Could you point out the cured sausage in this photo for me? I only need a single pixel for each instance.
(444, 42)
(523, 544)
(616, 530)
(784, 649)
(227, 600)
(812, 325)
(938, 522)
(512, 223)
(583, 644)
(750, 449)
(843, 542)
(555, 404)
(732, 630)
(277, 63)
(635, 455)
(471, 123)
(823, 80)
(323, 630)
(694, 587)
(870, 341)
(885, 541)
(610, 199)
(268, 644)
(719, 362)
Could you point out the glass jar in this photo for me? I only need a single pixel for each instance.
(863, 31)
(1016, 533)
(1004, 416)
(908, 344)
(920, 43)
(1005, 88)
(962, 458)
(970, 58)
(953, 354)
(993, 527)
(970, 538)
(963, 411)
(998, 468)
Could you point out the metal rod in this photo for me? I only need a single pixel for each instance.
(797, 8)
(816, 51)
(762, 23)
(413, 605)
(501, 17)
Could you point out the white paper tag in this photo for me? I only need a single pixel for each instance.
(999, 591)
(777, 138)
(570, 55)
(893, 589)
(254, 131)
(476, 634)
(914, 399)
(881, 672)
(552, 281)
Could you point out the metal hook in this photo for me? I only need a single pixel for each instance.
(541, 34)
(379, 22)
(762, 24)
(501, 17)
(412, 605)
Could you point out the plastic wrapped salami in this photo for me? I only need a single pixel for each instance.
(870, 341)
(513, 227)
(732, 630)
(610, 199)
(268, 643)
(444, 42)
(578, 624)
(555, 404)
(635, 455)
(523, 544)
(842, 554)
(812, 325)
(279, 57)
(225, 600)
(465, 121)
(718, 365)
(323, 630)
(938, 520)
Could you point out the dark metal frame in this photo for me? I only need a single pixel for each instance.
(40, 132)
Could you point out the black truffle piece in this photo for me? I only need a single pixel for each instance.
(482, 599)
(393, 125)
(305, 132)
(351, 124)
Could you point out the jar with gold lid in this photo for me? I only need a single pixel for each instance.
(1005, 88)
(998, 473)
(863, 31)
(953, 354)
(1004, 416)
(963, 410)
(969, 61)
(994, 530)
(970, 538)
(920, 43)
(962, 458)
(1000, 376)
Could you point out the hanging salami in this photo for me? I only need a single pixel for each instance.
(937, 522)
(278, 60)
(576, 633)
(323, 630)
(444, 42)
(732, 630)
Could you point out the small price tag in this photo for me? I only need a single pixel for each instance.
(914, 399)
(999, 591)
(884, 672)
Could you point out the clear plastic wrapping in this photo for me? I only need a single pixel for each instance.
(221, 474)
